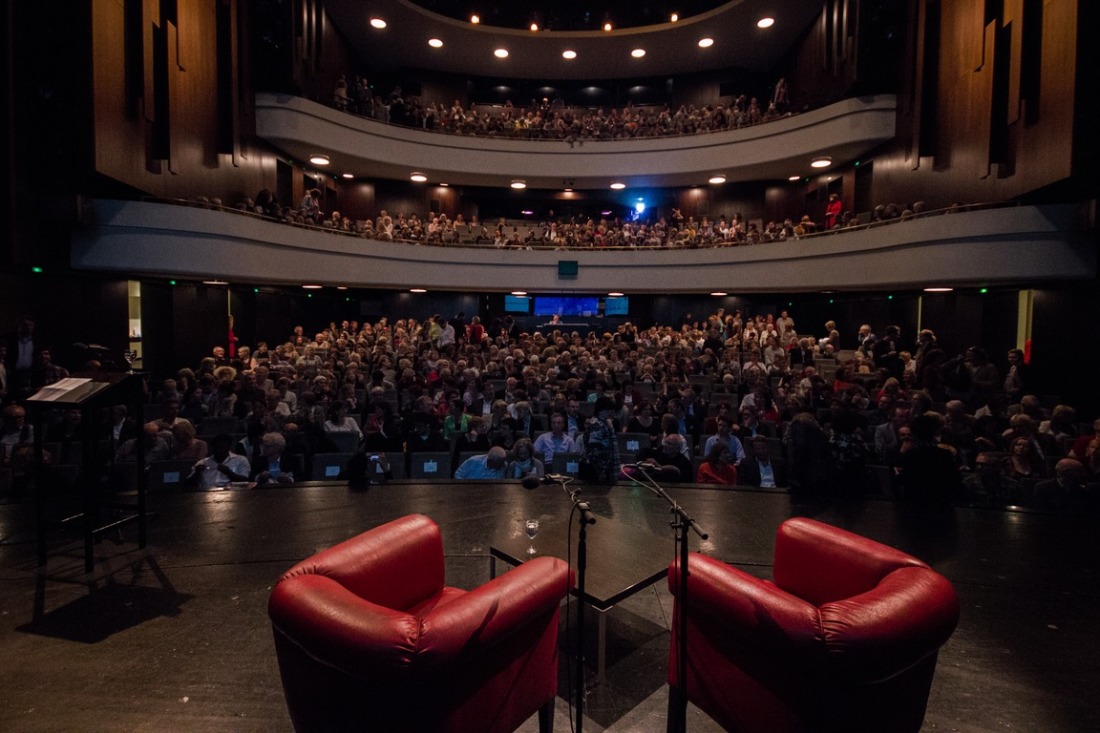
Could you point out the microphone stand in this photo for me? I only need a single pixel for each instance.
(584, 518)
(681, 521)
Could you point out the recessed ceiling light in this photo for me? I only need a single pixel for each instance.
(417, 290)
(475, 19)
(938, 290)
(719, 294)
(673, 18)
(347, 175)
(341, 287)
(527, 212)
(822, 162)
(618, 185)
(418, 177)
(567, 190)
(443, 185)
(534, 26)
(501, 53)
(765, 23)
(312, 287)
(614, 295)
(718, 179)
(519, 292)
(377, 23)
(517, 183)
(214, 282)
(706, 42)
(569, 54)
(607, 26)
(435, 43)
(319, 159)
(793, 178)
(638, 53)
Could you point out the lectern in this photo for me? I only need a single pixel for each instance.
(88, 393)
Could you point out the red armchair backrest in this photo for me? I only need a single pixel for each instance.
(820, 563)
(396, 565)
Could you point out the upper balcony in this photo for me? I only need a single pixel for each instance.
(770, 151)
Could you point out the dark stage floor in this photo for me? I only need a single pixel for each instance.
(176, 637)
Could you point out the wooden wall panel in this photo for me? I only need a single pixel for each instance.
(1035, 149)
(124, 141)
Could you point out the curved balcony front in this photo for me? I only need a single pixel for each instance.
(1026, 245)
(769, 151)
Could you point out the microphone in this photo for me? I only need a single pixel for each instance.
(533, 482)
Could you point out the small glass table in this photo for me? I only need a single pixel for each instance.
(624, 556)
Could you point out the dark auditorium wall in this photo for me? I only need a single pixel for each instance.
(988, 109)
(172, 111)
(1065, 329)
(67, 308)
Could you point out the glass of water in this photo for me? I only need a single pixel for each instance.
(532, 527)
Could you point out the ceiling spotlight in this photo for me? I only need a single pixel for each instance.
(347, 175)
(519, 292)
(793, 178)
(517, 183)
(706, 42)
(443, 185)
(614, 295)
(569, 54)
(607, 26)
(534, 26)
(938, 290)
(341, 287)
(418, 177)
(417, 290)
(312, 287)
(501, 53)
(435, 43)
(822, 162)
(719, 294)
(638, 53)
(528, 212)
(765, 23)
(475, 19)
(319, 159)
(618, 185)
(214, 282)
(718, 179)
(377, 23)
(673, 18)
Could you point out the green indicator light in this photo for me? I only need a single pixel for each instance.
(36, 269)
(255, 290)
(309, 295)
(889, 297)
(171, 282)
(984, 290)
(830, 301)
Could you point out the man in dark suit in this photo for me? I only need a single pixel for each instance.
(760, 469)
(802, 355)
(1070, 491)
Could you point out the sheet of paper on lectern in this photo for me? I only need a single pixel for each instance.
(60, 389)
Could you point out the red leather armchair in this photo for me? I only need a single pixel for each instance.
(844, 639)
(369, 638)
